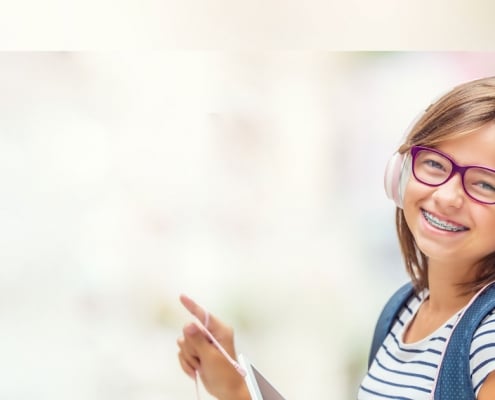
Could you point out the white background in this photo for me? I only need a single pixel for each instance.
(253, 181)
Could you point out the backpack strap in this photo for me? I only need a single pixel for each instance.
(387, 316)
(454, 377)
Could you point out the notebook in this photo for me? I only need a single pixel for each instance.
(258, 386)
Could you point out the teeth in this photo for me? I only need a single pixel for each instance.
(444, 225)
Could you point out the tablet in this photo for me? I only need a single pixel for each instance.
(258, 386)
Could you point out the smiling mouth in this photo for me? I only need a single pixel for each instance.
(441, 224)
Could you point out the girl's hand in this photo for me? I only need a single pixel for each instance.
(197, 353)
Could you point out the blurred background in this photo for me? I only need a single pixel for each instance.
(252, 181)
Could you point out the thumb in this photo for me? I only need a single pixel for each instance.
(196, 338)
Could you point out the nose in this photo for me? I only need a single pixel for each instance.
(451, 193)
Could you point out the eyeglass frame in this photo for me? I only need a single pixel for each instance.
(415, 150)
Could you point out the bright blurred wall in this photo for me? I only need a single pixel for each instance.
(251, 181)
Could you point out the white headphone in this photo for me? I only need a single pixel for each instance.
(399, 167)
(397, 173)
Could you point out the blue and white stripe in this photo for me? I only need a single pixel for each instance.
(407, 370)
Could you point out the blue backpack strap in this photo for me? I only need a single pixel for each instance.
(387, 316)
(454, 380)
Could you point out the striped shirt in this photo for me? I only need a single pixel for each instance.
(407, 370)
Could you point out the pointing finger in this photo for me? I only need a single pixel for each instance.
(194, 308)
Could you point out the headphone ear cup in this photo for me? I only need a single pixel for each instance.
(397, 173)
(399, 167)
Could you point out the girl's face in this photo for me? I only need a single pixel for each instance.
(448, 226)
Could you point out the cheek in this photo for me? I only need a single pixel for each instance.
(414, 192)
(416, 196)
(484, 224)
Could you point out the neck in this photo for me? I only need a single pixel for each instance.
(447, 294)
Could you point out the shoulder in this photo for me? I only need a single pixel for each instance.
(482, 352)
(487, 324)
(484, 335)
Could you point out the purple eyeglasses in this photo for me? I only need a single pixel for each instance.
(433, 168)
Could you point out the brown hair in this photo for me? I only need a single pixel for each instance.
(461, 111)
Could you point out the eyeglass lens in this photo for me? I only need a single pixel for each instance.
(432, 168)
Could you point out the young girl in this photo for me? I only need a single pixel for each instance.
(443, 182)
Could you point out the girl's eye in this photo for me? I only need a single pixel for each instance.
(486, 186)
(482, 182)
(434, 164)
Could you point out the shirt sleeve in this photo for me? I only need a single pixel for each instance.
(482, 356)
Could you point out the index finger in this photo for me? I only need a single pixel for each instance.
(193, 307)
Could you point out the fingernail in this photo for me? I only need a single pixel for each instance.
(191, 329)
